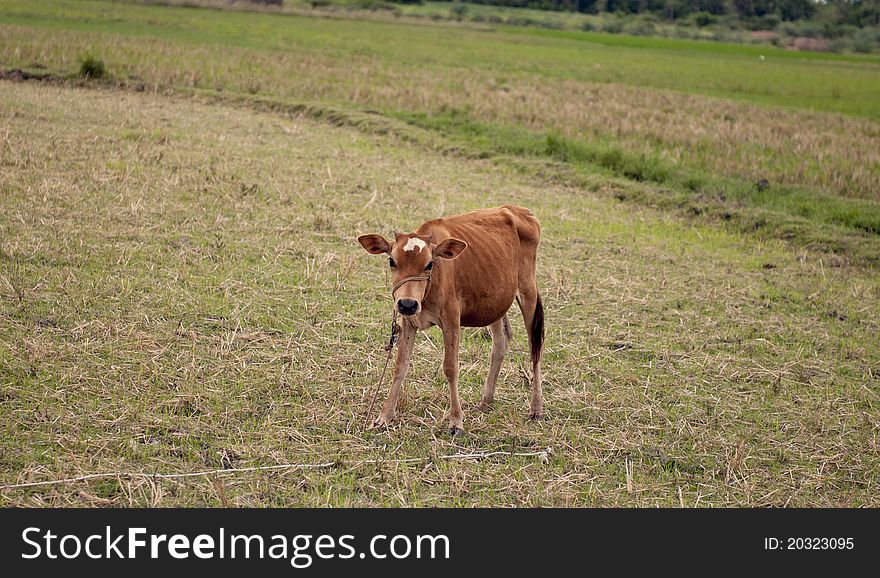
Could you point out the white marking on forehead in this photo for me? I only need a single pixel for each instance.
(413, 243)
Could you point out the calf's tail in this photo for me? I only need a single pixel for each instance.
(536, 331)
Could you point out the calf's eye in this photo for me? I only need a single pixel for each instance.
(429, 266)
(391, 263)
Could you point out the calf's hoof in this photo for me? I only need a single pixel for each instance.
(456, 431)
(536, 415)
(382, 421)
(484, 406)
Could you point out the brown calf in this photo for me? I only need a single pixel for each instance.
(465, 271)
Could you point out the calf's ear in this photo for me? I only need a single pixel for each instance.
(375, 244)
(449, 248)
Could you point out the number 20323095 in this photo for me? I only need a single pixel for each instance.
(809, 544)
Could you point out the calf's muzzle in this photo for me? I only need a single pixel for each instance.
(408, 306)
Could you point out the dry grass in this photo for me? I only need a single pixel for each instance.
(835, 153)
(180, 290)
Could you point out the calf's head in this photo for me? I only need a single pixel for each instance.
(411, 259)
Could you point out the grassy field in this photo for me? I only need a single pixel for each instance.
(181, 290)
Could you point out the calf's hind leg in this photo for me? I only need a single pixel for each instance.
(501, 333)
(533, 315)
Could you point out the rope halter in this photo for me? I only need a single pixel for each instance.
(405, 280)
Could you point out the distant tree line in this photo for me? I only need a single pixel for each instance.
(841, 12)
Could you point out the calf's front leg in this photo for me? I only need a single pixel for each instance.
(401, 368)
(451, 338)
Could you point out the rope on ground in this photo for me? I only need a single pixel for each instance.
(543, 455)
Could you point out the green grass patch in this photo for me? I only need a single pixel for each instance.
(91, 67)
(710, 47)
